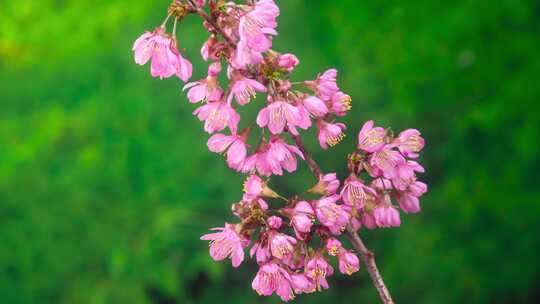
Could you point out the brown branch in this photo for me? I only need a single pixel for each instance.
(213, 23)
(307, 157)
(369, 260)
(367, 256)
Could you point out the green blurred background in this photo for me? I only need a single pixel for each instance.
(106, 183)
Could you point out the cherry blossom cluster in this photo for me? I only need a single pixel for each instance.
(291, 239)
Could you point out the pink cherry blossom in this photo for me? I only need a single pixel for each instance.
(327, 185)
(244, 208)
(315, 106)
(325, 85)
(371, 139)
(355, 193)
(409, 143)
(279, 115)
(281, 155)
(302, 217)
(257, 25)
(261, 249)
(406, 174)
(218, 115)
(288, 62)
(330, 134)
(160, 48)
(340, 104)
(272, 278)
(408, 199)
(272, 158)
(207, 89)
(386, 162)
(408, 202)
(330, 214)
(417, 188)
(317, 268)
(368, 220)
(281, 245)
(227, 243)
(244, 56)
(386, 216)
(207, 46)
(243, 89)
(348, 262)
(213, 49)
(255, 28)
(235, 146)
(304, 121)
(183, 67)
(382, 185)
(333, 247)
(302, 283)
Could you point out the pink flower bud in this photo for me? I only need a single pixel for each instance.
(348, 262)
(288, 62)
(408, 203)
(274, 222)
(333, 247)
(315, 106)
(386, 217)
(226, 243)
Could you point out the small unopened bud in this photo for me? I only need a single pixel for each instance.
(274, 222)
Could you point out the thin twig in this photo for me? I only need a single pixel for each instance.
(369, 260)
(214, 24)
(307, 157)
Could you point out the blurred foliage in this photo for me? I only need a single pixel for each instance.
(106, 183)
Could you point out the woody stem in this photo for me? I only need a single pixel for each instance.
(211, 20)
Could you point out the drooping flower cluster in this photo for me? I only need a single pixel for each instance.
(293, 243)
